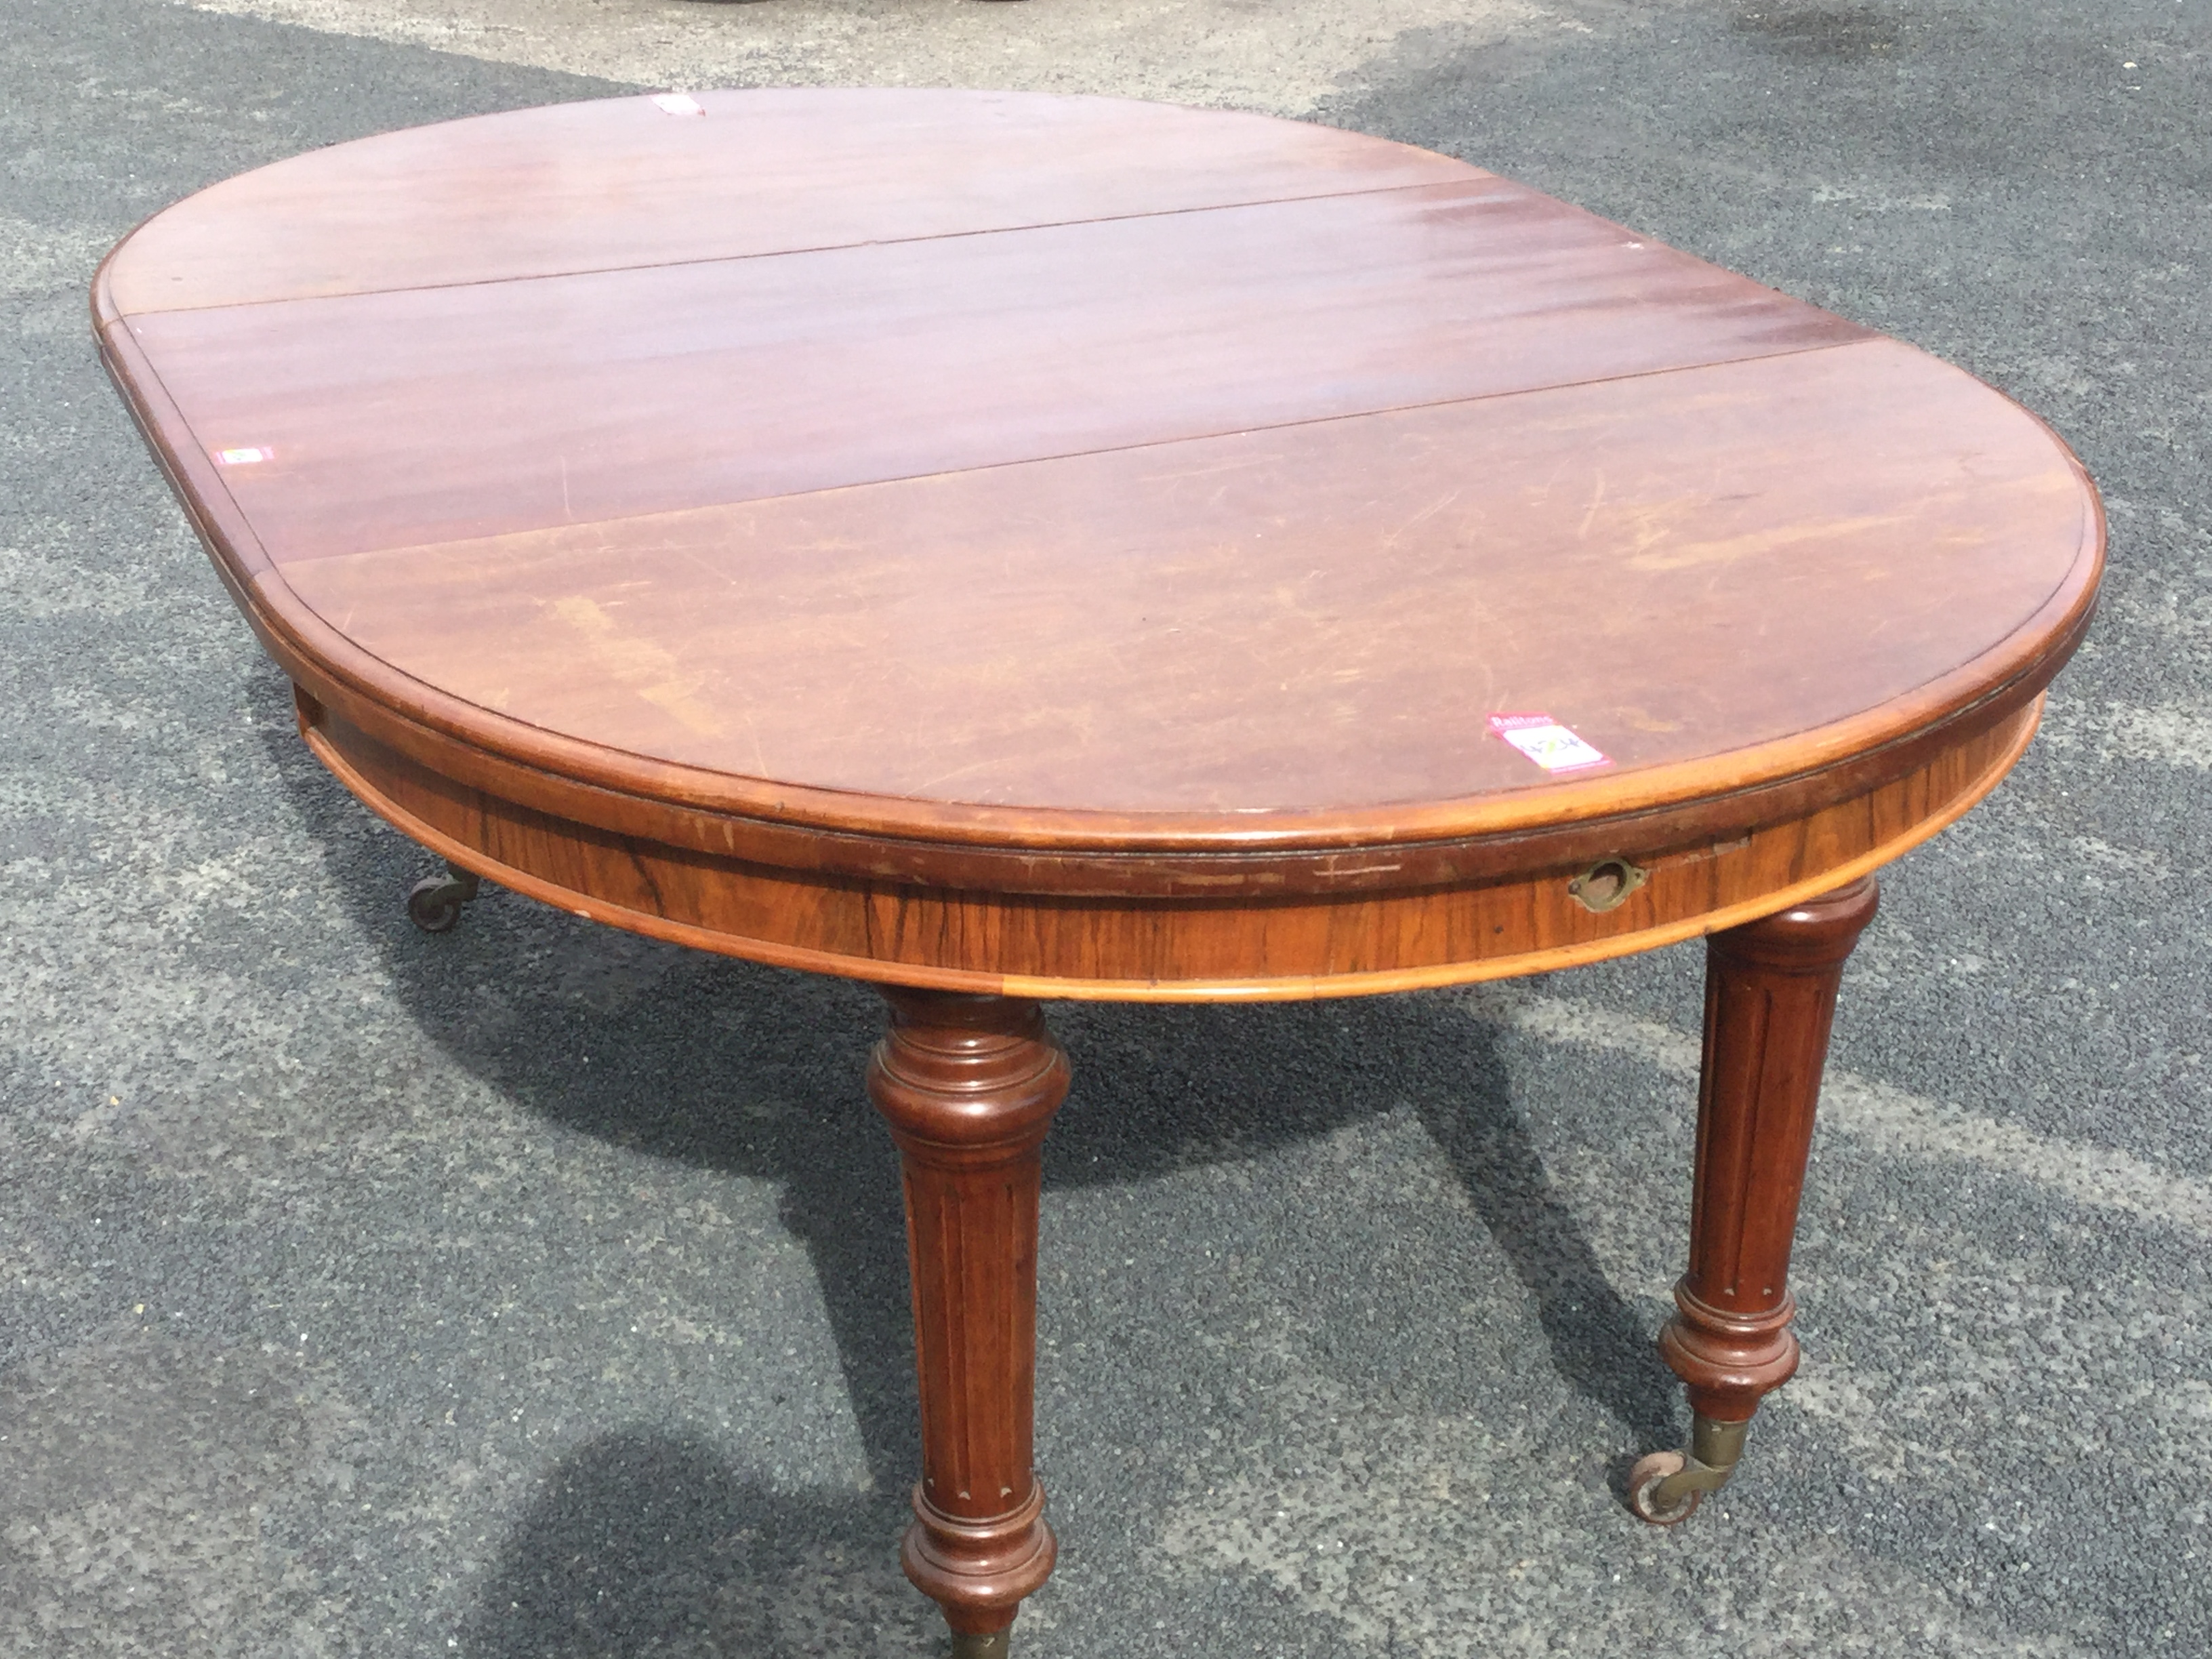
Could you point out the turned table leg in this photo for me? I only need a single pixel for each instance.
(969, 1084)
(1770, 1000)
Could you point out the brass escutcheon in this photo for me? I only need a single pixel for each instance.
(1606, 885)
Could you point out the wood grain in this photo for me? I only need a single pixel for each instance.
(618, 183)
(1189, 949)
(1297, 623)
(1770, 1000)
(1096, 575)
(968, 1085)
(471, 409)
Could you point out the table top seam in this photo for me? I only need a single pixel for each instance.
(1480, 175)
(1867, 338)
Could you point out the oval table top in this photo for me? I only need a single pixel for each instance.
(908, 478)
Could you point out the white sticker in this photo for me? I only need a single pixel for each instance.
(244, 457)
(1546, 742)
(678, 103)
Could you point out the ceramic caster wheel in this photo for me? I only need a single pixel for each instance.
(1643, 1484)
(434, 903)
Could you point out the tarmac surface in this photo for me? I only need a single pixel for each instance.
(539, 1291)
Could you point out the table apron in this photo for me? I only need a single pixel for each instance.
(1140, 949)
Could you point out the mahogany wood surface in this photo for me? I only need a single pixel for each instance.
(1008, 547)
(968, 1085)
(617, 182)
(971, 507)
(1201, 946)
(1770, 1000)
(428, 415)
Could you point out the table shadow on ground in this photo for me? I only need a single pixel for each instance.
(645, 1543)
(757, 1072)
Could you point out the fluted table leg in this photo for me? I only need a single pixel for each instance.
(1770, 1002)
(968, 1085)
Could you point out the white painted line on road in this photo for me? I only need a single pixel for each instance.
(1889, 1120)
(1371, 1522)
(1283, 56)
(2162, 613)
(2177, 734)
(42, 259)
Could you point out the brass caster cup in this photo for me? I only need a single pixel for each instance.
(1667, 1486)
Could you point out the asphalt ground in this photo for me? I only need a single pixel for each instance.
(539, 1290)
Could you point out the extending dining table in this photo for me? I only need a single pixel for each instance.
(1007, 548)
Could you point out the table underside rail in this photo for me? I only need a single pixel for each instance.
(1164, 949)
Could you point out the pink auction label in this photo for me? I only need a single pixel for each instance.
(1546, 742)
(678, 103)
(244, 457)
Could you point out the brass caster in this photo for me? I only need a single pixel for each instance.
(434, 903)
(1666, 1487)
(994, 1644)
(1644, 1481)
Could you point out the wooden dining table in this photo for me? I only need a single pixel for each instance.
(1007, 548)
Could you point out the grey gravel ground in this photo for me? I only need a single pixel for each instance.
(539, 1290)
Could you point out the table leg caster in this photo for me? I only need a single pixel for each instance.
(994, 1644)
(434, 903)
(1770, 1002)
(1667, 1486)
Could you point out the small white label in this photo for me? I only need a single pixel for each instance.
(678, 103)
(244, 457)
(1546, 742)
